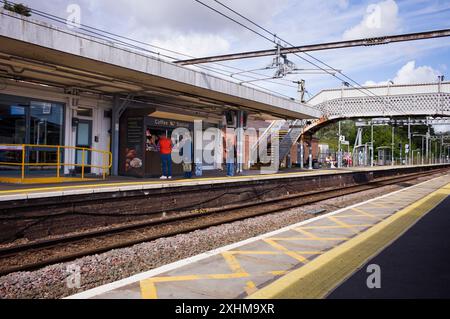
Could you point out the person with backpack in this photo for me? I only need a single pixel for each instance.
(186, 154)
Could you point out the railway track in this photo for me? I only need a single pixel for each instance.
(37, 254)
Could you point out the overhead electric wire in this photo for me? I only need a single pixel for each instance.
(234, 20)
(360, 88)
(62, 20)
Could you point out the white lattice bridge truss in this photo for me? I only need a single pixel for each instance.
(431, 99)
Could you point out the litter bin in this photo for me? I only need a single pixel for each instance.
(198, 169)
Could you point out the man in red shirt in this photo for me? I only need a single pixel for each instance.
(165, 149)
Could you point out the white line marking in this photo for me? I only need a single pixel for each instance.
(151, 273)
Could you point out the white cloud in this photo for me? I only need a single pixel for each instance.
(174, 22)
(380, 19)
(194, 44)
(184, 25)
(410, 74)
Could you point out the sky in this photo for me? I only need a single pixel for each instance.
(188, 27)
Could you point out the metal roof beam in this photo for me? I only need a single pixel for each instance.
(322, 46)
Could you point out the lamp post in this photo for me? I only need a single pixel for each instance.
(427, 144)
(393, 147)
(344, 84)
(409, 141)
(371, 143)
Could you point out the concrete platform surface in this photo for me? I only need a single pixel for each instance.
(249, 267)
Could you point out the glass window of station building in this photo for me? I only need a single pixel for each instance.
(29, 121)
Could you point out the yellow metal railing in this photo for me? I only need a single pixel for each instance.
(25, 149)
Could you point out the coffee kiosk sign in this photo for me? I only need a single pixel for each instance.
(167, 123)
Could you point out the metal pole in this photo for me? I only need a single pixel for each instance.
(421, 152)
(371, 143)
(82, 163)
(427, 145)
(448, 154)
(302, 154)
(435, 151)
(104, 165)
(339, 157)
(410, 142)
(321, 46)
(310, 156)
(58, 159)
(240, 144)
(23, 161)
(115, 121)
(393, 149)
(339, 147)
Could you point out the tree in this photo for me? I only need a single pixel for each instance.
(329, 134)
(382, 136)
(18, 8)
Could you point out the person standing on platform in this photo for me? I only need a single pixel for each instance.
(186, 154)
(230, 155)
(165, 149)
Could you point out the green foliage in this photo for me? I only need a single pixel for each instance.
(18, 8)
(382, 136)
(330, 134)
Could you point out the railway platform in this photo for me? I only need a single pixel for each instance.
(14, 192)
(305, 260)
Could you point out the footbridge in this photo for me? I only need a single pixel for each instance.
(429, 101)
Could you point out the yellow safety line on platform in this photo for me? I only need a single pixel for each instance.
(306, 233)
(272, 242)
(377, 205)
(148, 290)
(381, 216)
(318, 277)
(110, 185)
(254, 252)
(363, 212)
(232, 262)
(335, 226)
(41, 180)
(250, 287)
(341, 223)
(308, 239)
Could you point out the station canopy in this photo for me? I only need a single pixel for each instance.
(35, 51)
